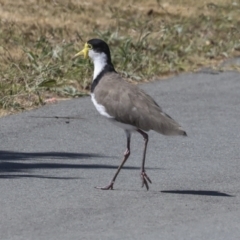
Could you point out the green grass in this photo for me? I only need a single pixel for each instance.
(150, 42)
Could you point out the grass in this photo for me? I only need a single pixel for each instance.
(148, 39)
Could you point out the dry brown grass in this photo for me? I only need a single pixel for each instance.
(147, 38)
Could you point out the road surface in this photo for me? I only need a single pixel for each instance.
(49, 167)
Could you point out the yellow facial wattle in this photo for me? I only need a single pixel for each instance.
(85, 51)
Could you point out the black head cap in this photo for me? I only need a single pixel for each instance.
(99, 46)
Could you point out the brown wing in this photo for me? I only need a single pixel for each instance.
(130, 105)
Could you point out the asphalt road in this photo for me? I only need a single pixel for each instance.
(49, 167)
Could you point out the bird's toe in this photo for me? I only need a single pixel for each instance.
(145, 180)
(108, 187)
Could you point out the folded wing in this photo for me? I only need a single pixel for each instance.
(131, 105)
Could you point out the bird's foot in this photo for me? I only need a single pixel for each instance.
(145, 179)
(108, 187)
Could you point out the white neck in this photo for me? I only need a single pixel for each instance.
(99, 61)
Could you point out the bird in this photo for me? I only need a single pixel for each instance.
(125, 104)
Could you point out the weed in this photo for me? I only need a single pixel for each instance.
(148, 39)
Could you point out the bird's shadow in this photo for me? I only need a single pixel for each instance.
(21, 164)
(20, 156)
(198, 192)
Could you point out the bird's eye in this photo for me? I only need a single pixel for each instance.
(89, 46)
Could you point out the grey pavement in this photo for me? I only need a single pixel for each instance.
(49, 167)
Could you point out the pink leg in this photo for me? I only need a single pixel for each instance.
(144, 176)
(126, 155)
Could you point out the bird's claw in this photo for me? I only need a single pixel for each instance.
(145, 180)
(108, 187)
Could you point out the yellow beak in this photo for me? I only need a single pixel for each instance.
(83, 52)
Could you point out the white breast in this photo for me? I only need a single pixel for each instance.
(101, 109)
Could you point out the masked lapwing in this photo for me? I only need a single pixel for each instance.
(124, 104)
